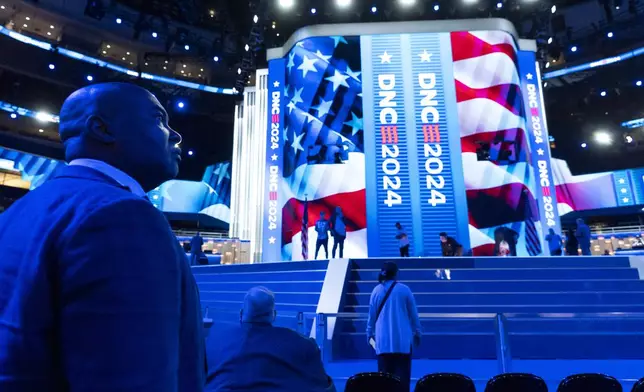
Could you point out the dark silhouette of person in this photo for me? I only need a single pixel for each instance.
(322, 228)
(97, 294)
(403, 240)
(554, 242)
(196, 250)
(255, 356)
(339, 231)
(572, 246)
(583, 237)
(449, 246)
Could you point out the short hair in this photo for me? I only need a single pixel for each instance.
(259, 305)
(442, 234)
(388, 271)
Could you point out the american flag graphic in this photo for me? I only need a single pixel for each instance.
(491, 112)
(324, 121)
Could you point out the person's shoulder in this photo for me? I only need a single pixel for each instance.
(293, 337)
(403, 287)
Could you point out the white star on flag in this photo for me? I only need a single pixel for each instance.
(276, 84)
(529, 76)
(540, 151)
(309, 117)
(623, 190)
(621, 181)
(338, 80)
(291, 61)
(354, 75)
(297, 143)
(323, 57)
(425, 57)
(356, 124)
(337, 40)
(385, 58)
(286, 134)
(625, 200)
(290, 106)
(308, 65)
(274, 157)
(297, 98)
(324, 107)
(271, 240)
(286, 91)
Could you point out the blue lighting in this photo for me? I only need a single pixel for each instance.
(638, 83)
(187, 47)
(90, 78)
(181, 104)
(638, 122)
(216, 58)
(14, 115)
(374, 9)
(313, 11)
(603, 93)
(52, 67)
(100, 63)
(583, 145)
(191, 153)
(573, 49)
(118, 21)
(610, 34)
(499, 5)
(154, 35)
(437, 7)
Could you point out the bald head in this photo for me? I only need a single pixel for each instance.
(259, 306)
(123, 125)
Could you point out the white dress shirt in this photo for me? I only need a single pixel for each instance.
(117, 175)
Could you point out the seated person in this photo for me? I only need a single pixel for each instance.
(255, 356)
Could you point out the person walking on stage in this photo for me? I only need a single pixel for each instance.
(554, 243)
(583, 237)
(403, 240)
(339, 232)
(322, 228)
(97, 293)
(393, 326)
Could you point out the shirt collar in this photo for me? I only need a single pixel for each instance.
(112, 172)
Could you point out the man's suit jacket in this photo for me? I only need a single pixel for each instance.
(95, 293)
(263, 358)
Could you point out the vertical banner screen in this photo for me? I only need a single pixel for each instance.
(437, 138)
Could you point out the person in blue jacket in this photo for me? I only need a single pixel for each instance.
(97, 294)
(583, 237)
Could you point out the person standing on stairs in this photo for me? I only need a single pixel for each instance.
(393, 326)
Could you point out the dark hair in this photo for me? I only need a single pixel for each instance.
(388, 271)
(442, 234)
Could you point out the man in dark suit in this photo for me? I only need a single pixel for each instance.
(97, 294)
(196, 250)
(255, 356)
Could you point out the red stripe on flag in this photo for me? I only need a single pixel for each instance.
(275, 118)
(545, 190)
(272, 195)
(467, 46)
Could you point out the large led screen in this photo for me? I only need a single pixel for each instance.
(436, 131)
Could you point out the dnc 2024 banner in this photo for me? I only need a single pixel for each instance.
(436, 131)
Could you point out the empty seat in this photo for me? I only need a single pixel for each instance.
(516, 382)
(639, 386)
(445, 382)
(590, 382)
(369, 382)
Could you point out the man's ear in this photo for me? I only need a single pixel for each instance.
(96, 128)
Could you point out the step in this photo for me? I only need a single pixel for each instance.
(503, 274)
(263, 276)
(474, 286)
(496, 262)
(515, 299)
(217, 304)
(275, 286)
(261, 267)
(531, 309)
(280, 296)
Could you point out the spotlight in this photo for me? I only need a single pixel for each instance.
(255, 19)
(238, 71)
(119, 21)
(25, 25)
(2, 7)
(105, 52)
(313, 11)
(13, 115)
(629, 139)
(573, 49)
(548, 64)
(191, 153)
(549, 40)
(286, 3)
(49, 33)
(181, 104)
(437, 7)
(52, 66)
(127, 53)
(603, 93)
(374, 9)
(584, 145)
(602, 137)
(343, 3)
(469, 2)
(553, 9)
(28, 18)
(187, 47)
(109, 46)
(154, 34)
(499, 5)
(610, 34)
(185, 66)
(43, 117)
(407, 3)
(216, 58)
(638, 83)
(51, 27)
(247, 48)
(41, 130)
(90, 78)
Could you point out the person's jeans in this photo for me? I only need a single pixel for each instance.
(322, 242)
(399, 365)
(586, 251)
(338, 241)
(404, 251)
